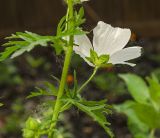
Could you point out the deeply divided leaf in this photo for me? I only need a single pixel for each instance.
(23, 42)
(96, 110)
(49, 90)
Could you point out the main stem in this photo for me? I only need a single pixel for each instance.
(57, 107)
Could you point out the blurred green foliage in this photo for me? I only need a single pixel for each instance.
(106, 81)
(143, 111)
(9, 74)
(17, 116)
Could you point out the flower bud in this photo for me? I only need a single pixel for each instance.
(32, 124)
(28, 133)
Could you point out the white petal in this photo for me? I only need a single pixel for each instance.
(124, 55)
(108, 39)
(83, 48)
(84, 45)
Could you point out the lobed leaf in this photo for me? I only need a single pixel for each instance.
(50, 90)
(96, 110)
(23, 42)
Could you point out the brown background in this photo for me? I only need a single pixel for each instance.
(143, 16)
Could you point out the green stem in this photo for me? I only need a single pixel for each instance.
(90, 78)
(152, 133)
(57, 107)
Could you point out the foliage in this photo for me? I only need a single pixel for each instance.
(50, 90)
(143, 111)
(23, 42)
(17, 116)
(9, 74)
(36, 127)
(95, 109)
(103, 82)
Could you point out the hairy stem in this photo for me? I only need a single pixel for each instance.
(90, 78)
(57, 107)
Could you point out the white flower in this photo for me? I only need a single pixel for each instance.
(108, 40)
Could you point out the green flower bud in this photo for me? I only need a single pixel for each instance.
(28, 133)
(32, 124)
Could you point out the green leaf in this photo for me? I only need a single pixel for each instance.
(154, 88)
(96, 110)
(137, 87)
(55, 78)
(8, 51)
(135, 125)
(50, 90)
(79, 17)
(141, 135)
(23, 42)
(61, 25)
(147, 114)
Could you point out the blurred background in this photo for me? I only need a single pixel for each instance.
(20, 76)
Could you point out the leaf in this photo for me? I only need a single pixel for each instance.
(147, 114)
(79, 17)
(154, 88)
(141, 135)
(96, 110)
(137, 87)
(50, 90)
(55, 78)
(135, 125)
(40, 92)
(23, 42)
(8, 51)
(61, 25)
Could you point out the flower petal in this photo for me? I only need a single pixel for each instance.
(83, 48)
(108, 39)
(124, 55)
(84, 45)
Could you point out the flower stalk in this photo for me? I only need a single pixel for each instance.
(90, 78)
